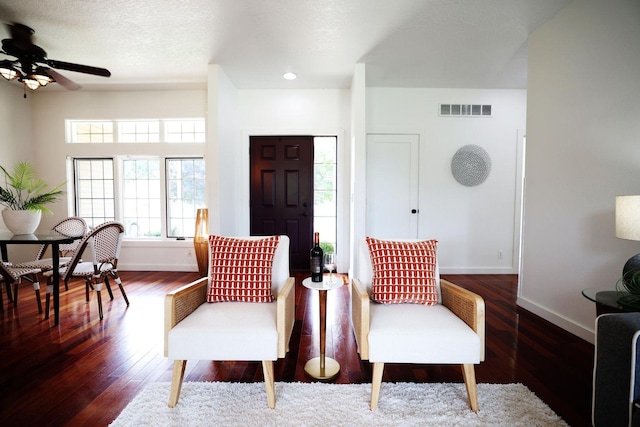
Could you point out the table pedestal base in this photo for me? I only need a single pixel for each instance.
(330, 371)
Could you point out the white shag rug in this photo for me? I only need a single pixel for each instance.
(318, 404)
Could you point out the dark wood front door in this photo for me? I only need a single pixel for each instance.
(281, 196)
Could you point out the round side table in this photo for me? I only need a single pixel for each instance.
(606, 301)
(322, 368)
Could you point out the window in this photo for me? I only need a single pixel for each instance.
(186, 190)
(139, 131)
(136, 131)
(184, 131)
(154, 190)
(144, 192)
(94, 190)
(141, 207)
(91, 132)
(325, 190)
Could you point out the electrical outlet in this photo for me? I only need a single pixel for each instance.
(499, 254)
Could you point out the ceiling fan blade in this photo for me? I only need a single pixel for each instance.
(78, 68)
(62, 80)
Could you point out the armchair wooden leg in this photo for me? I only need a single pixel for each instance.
(376, 382)
(176, 381)
(469, 374)
(267, 368)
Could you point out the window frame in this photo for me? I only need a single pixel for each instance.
(167, 193)
(117, 130)
(73, 164)
(118, 190)
(117, 151)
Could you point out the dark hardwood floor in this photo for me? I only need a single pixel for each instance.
(84, 372)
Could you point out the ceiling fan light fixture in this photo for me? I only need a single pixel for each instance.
(42, 77)
(30, 83)
(7, 70)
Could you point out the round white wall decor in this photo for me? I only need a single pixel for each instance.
(471, 165)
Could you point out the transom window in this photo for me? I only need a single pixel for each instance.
(136, 131)
(90, 132)
(139, 131)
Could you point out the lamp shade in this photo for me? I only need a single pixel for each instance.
(628, 217)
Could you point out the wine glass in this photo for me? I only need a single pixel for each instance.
(330, 264)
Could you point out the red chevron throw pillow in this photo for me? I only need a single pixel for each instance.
(241, 269)
(403, 272)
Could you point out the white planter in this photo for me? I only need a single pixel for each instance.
(21, 222)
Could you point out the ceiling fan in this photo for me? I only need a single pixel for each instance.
(31, 65)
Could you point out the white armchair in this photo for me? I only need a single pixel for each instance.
(197, 330)
(450, 332)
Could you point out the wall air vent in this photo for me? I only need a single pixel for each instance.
(465, 110)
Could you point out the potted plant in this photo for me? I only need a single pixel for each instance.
(628, 288)
(25, 198)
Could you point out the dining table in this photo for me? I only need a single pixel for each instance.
(49, 237)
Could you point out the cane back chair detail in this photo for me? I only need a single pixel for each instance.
(95, 260)
(73, 226)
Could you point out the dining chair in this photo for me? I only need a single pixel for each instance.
(95, 261)
(403, 312)
(243, 310)
(73, 226)
(14, 275)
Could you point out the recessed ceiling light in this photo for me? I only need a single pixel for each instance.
(289, 76)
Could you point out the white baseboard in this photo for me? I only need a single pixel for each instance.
(157, 267)
(558, 320)
(477, 270)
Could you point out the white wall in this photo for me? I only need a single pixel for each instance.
(15, 125)
(472, 224)
(583, 135)
(358, 145)
(16, 143)
(296, 112)
(229, 154)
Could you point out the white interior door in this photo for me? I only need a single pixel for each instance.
(392, 186)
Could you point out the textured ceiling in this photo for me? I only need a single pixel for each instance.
(405, 43)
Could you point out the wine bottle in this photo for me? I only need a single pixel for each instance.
(316, 259)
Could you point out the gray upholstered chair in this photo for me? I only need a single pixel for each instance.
(449, 332)
(616, 371)
(234, 330)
